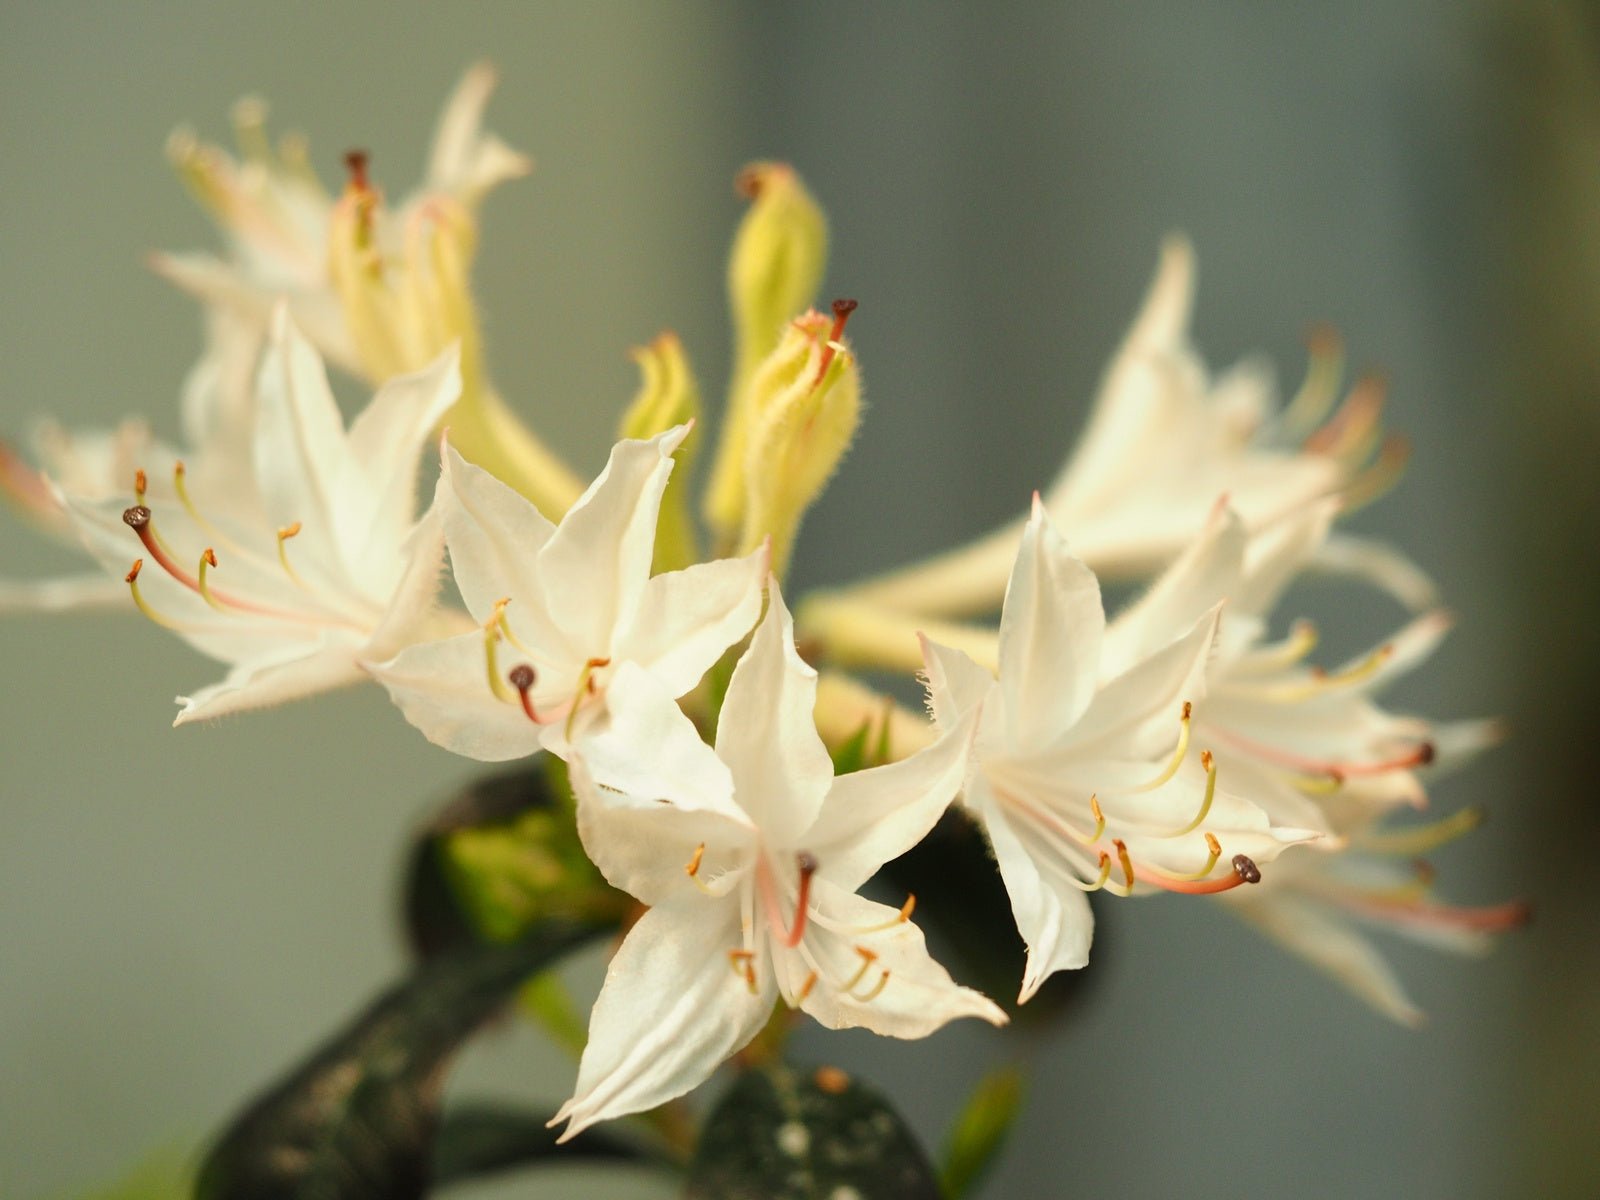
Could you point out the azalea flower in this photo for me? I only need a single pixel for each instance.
(1085, 785)
(299, 554)
(750, 857)
(102, 465)
(561, 609)
(1163, 441)
(1319, 906)
(278, 217)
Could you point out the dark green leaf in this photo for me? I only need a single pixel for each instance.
(357, 1122)
(980, 1131)
(962, 901)
(780, 1134)
(851, 754)
(479, 1139)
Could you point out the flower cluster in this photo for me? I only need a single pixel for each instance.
(1180, 746)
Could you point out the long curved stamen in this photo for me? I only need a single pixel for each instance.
(1423, 838)
(1244, 871)
(491, 642)
(1323, 769)
(807, 866)
(692, 870)
(1354, 425)
(744, 966)
(805, 988)
(900, 918)
(1302, 640)
(180, 485)
(1178, 753)
(1209, 763)
(1213, 853)
(1324, 366)
(140, 484)
(132, 580)
(1376, 481)
(868, 957)
(505, 627)
(138, 519)
(1318, 682)
(208, 559)
(585, 689)
(1058, 835)
(284, 534)
(877, 990)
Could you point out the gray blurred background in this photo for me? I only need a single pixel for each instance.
(183, 913)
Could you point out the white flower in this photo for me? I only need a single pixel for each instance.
(562, 608)
(97, 464)
(750, 858)
(277, 217)
(1162, 442)
(298, 553)
(1083, 785)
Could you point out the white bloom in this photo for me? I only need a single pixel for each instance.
(1162, 442)
(296, 554)
(278, 217)
(1083, 785)
(562, 608)
(750, 858)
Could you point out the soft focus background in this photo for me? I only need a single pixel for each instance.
(184, 913)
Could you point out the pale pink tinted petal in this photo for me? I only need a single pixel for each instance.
(766, 734)
(1050, 636)
(917, 997)
(671, 1010)
(688, 618)
(261, 683)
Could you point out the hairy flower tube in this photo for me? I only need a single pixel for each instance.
(749, 855)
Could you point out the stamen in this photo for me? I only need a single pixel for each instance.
(900, 918)
(1177, 754)
(841, 315)
(1423, 838)
(586, 687)
(1380, 477)
(883, 982)
(1355, 423)
(1321, 386)
(805, 988)
(180, 484)
(1320, 682)
(284, 534)
(868, 957)
(132, 580)
(522, 677)
(491, 639)
(1126, 861)
(140, 483)
(1099, 819)
(1245, 868)
(1213, 853)
(1209, 763)
(355, 162)
(208, 558)
(744, 963)
(1327, 774)
(1302, 640)
(807, 865)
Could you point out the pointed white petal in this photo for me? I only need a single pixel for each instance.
(956, 684)
(918, 996)
(255, 683)
(72, 593)
(411, 604)
(466, 161)
(495, 536)
(1332, 945)
(766, 733)
(1278, 553)
(872, 816)
(644, 845)
(1052, 915)
(671, 1010)
(594, 568)
(689, 617)
(1051, 631)
(442, 689)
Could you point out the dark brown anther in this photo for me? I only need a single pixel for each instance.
(748, 182)
(1245, 868)
(355, 162)
(807, 863)
(1426, 753)
(136, 517)
(843, 308)
(521, 677)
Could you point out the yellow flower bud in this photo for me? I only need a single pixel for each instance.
(774, 271)
(667, 397)
(806, 406)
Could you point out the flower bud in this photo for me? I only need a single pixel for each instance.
(773, 272)
(667, 397)
(806, 404)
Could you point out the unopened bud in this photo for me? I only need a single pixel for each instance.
(668, 397)
(774, 271)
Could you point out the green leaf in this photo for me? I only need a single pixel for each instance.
(501, 857)
(779, 1134)
(962, 901)
(357, 1121)
(851, 755)
(481, 1139)
(980, 1131)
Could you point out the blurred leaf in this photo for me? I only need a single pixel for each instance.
(779, 1134)
(165, 1175)
(980, 1131)
(500, 857)
(357, 1121)
(962, 900)
(481, 1139)
(851, 755)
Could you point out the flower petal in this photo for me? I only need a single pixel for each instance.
(442, 690)
(917, 996)
(1050, 634)
(767, 735)
(494, 536)
(670, 1011)
(261, 683)
(688, 618)
(956, 685)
